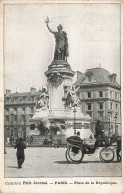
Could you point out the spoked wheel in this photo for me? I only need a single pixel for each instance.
(67, 156)
(74, 154)
(106, 155)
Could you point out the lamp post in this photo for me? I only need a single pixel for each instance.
(11, 128)
(115, 118)
(74, 111)
(24, 130)
(109, 114)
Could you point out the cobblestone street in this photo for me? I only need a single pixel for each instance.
(51, 162)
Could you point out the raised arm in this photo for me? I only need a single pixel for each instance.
(50, 29)
(47, 22)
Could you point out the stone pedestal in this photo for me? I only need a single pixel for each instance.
(59, 75)
(59, 78)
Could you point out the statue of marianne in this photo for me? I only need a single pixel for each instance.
(61, 47)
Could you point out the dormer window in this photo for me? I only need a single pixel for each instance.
(89, 78)
(113, 77)
(89, 75)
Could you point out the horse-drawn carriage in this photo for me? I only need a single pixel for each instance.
(77, 148)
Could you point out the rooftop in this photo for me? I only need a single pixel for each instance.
(23, 94)
(98, 75)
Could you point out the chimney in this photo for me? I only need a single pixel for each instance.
(79, 74)
(32, 90)
(8, 92)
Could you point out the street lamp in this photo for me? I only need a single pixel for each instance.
(109, 114)
(11, 128)
(115, 118)
(74, 111)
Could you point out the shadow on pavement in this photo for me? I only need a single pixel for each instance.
(61, 162)
(12, 166)
(65, 162)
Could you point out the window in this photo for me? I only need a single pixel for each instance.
(89, 78)
(7, 99)
(7, 111)
(32, 109)
(116, 115)
(12, 99)
(86, 125)
(89, 106)
(89, 94)
(111, 106)
(24, 118)
(20, 99)
(23, 110)
(15, 118)
(90, 114)
(116, 106)
(110, 94)
(114, 80)
(100, 94)
(7, 118)
(100, 106)
(116, 95)
(15, 110)
(15, 99)
(100, 114)
(32, 99)
(24, 99)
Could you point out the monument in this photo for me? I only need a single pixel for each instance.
(61, 106)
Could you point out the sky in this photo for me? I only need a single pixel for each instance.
(93, 32)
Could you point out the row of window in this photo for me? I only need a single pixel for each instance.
(90, 96)
(100, 94)
(20, 99)
(100, 114)
(112, 106)
(101, 106)
(16, 118)
(114, 95)
(15, 110)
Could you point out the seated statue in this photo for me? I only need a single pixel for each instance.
(42, 100)
(72, 99)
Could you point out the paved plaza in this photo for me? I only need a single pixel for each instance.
(51, 162)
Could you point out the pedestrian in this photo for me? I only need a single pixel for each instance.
(17, 139)
(118, 149)
(4, 148)
(8, 140)
(20, 152)
(31, 139)
(99, 132)
(78, 134)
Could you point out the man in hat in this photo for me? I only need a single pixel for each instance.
(20, 152)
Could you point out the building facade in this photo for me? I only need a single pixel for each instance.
(100, 96)
(18, 110)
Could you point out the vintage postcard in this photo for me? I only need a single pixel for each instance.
(61, 96)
